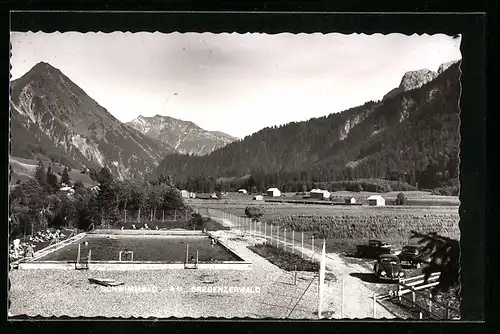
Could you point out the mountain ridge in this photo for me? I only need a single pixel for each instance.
(184, 136)
(407, 132)
(53, 117)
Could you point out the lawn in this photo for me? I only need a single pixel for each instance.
(283, 259)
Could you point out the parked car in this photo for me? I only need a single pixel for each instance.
(411, 256)
(388, 267)
(374, 248)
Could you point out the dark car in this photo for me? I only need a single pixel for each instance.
(411, 256)
(388, 267)
(374, 249)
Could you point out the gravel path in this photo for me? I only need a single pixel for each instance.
(169, 293)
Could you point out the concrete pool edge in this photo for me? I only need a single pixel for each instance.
(35, 263)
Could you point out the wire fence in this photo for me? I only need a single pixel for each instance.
(344, 299)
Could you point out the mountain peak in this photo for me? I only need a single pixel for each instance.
(415, 79)
(43, 67)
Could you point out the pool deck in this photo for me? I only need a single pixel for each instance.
(38, 263)
(50, 292)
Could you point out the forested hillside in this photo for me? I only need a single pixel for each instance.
(412, 136)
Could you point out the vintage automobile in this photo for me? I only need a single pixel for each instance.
(411, 256)
(388, 267)
(373, 249)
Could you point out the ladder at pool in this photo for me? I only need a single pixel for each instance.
(187, 263)
(79, 265)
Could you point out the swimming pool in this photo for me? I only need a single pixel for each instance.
(151, 250)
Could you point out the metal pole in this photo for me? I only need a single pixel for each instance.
(277, 236)
(374, 305)
(78, 256)
(448, 310)
(295, 276)
(187, 253)
(420, 316)
(293, 241)
(342, 298)
(312, 247)
(197, 256)
(163, 216)
(88, 258)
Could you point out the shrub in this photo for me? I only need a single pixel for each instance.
(401, 199)
(254, 212)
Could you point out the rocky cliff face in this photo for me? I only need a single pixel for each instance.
(52, 116)
(184, 136)
(416, 79)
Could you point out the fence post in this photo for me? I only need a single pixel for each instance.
(277, 236)
(265, 232)
(162, 216)
(293, 242)
(284, 238)
(125, 214)
(271, 234)
(302, 244)
(312, 247)
(187, 253)
(295, 276)
(413, 295)
(88, 258)
(78, 256)
(139, 217)
(448, 310)
(374, 305)
(420, 315)
(175, 214)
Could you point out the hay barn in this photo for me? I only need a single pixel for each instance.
(184, 193)
(273, 192)
(320, 194)
(376, 200)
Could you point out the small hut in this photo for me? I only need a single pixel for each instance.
(192, 195)
(258, 198)
(242, 191)
(273, 192)
(376, 200)
(350, 200)
(184, 193)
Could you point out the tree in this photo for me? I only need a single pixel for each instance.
(254, 212)
(444, 254)
(40, 175)
(198, 221)
(401, 199)
(51, 179)
(65, 176)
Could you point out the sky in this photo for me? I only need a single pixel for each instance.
(235, 83)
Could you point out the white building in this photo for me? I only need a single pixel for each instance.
(376, 200)
(68, 190)
(185, 193)
(192, 195)
(242, 191)
(320, 194)
(350, 200)
(258, 198)
(273, 192)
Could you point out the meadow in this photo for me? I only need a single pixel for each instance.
(345, 226)
(23, 169)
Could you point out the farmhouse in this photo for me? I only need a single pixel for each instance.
(242, 191)
(350, 200)
(68, 190)
(376, 200)
(273, 192)
(258, 198)
(184, 193)
(320, 194)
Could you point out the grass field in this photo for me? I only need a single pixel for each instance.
(344, 227)
(24, 168)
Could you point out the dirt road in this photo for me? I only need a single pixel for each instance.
(351, 295)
